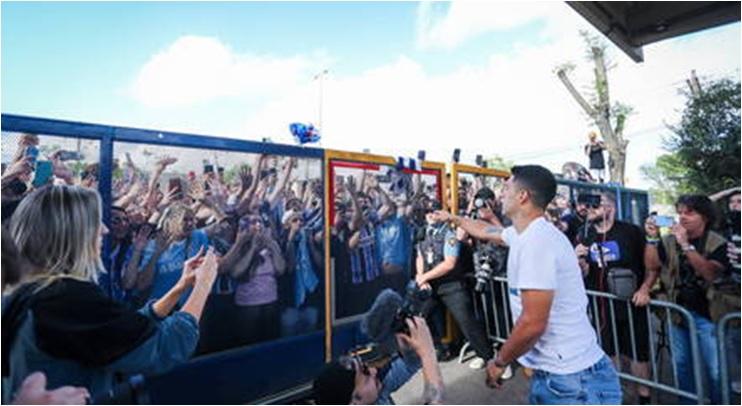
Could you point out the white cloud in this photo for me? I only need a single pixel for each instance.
(447, 25)
(512, 105)
(197, 69)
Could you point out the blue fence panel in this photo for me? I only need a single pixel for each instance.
(240, 374)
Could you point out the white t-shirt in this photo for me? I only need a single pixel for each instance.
(542, 258)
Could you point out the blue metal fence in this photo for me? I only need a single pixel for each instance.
(233, 376)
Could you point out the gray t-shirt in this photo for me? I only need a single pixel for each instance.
(541, 258)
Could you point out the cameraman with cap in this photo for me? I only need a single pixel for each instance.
(487, 259)
(552, 334)
(611, 256)
(576, 220)
(350, 381)
(438, 270)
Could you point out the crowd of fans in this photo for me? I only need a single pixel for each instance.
(263, 220)
(378, 215)
(207, 258)
(260, 224)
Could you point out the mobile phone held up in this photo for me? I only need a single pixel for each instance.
(664, 221)
(70, 156)
(33, 153)
(43, 173)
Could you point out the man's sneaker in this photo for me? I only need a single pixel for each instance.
(477, 363)
(507, 374)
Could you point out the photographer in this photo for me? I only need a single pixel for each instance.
(730, 228)
(727, 288)
(691, 259)
(576, 219)
(487, 260)
(611, 256)
(350, 381)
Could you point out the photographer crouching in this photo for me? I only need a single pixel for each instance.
(401, 345)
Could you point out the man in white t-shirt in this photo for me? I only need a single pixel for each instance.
(552, 334)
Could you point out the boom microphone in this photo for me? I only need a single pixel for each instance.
(378, 323)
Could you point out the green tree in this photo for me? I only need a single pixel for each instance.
(667, 176)
(498, 162)
(705, 145)
(707, 138)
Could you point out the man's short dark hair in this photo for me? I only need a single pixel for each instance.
(700, 204)
(485, 193)
(539, 181)
(334, 385)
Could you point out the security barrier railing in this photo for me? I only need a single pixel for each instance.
(728, 342)
(492, 307)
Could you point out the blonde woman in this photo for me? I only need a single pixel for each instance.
(59, 321)
(157, 263)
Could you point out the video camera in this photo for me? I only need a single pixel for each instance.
(589, 200)
(387, 317)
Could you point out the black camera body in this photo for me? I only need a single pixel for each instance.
(412, 305)
(489, 260)
(371, 355)
(589, 199)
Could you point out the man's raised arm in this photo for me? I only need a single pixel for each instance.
(478, 229)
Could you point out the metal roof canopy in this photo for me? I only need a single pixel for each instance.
(633, 24)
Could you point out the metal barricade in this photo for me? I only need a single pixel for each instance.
(722, 331)
(604, 308)
(493, 308)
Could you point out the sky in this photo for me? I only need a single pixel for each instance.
(401, 76)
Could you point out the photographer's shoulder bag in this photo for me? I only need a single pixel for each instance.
(621, 282)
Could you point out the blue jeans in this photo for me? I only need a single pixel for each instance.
(596, 385)
(683, 360)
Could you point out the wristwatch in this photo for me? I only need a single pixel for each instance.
(690, 247)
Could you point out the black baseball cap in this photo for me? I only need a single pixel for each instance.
(485, 193)
(334, 385)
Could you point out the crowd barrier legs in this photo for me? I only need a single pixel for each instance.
(727, 349)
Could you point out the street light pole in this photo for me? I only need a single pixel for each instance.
(321, 77)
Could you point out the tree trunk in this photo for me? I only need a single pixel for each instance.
(601, 116)
(615, 145)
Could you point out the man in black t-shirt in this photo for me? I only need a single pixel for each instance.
(607, 247)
